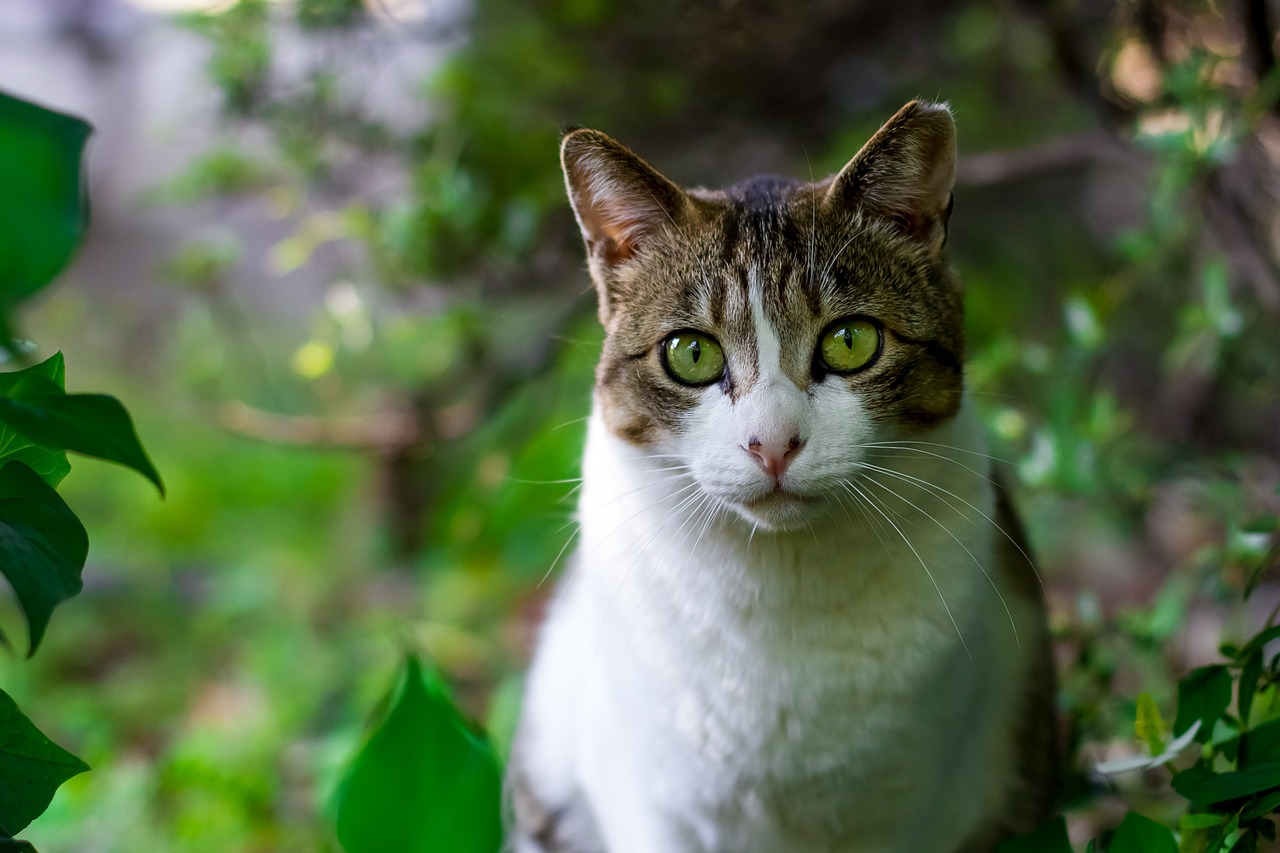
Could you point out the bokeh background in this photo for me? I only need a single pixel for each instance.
(332, 274)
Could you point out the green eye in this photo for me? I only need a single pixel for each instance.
(693, 358)
(848, 345)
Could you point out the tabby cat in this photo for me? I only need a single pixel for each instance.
(798, 618)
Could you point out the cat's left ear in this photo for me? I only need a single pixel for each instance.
(905, 173)
(620, 200)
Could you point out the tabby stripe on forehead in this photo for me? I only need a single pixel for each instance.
(784, 276)
(729, 249)
(717, 295)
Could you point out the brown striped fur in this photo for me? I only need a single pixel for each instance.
(867, 241)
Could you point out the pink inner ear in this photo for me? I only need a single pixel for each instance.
(613, 235)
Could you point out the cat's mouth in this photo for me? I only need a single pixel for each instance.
(775, 510)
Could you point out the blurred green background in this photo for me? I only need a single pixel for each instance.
(332, 274)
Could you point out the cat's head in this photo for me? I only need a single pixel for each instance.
(764, 334)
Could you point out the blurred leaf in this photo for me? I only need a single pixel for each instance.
(1049, 837)
(13, 845)
(1260, 639)
(1203, 695)
(31, 769)
(423, 783)
(1148, 725)
(1249, 676)
(42, 547)
(1202, 786)
(50, 463)
(1138, 834)
(93, 424)
(45, 216)
(1261, 744)
(1264, 806)
(1269, 560)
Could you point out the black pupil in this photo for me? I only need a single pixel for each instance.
(848, 337)
(695, 351)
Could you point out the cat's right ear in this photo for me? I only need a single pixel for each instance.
(619, 199)
(905, 173)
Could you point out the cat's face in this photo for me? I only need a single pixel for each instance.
(765, 335)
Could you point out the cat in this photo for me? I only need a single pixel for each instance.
(799, 616)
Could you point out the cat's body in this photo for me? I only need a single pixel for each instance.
(795, 620)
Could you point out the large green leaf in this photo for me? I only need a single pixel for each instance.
(42, 547)
(1138, 834)
(42, 203)
(1204, 787)
(1050, 837)
(14, 845)
(423, 783)
(31, 769)
(1203, 694)
(92, 424)
(49, 462)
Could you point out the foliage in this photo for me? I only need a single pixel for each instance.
(388, 460)
(43, 545)
(423, 761)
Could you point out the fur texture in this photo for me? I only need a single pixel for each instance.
(798, 618)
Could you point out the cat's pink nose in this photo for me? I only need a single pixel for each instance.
(774, 456)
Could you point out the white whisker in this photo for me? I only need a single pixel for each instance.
(924, 566)
(1017, 640)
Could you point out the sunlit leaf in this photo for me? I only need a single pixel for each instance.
(93, 424)
(423, 783)
(49, 462)
(1149, 725)
(1138, 834)
(45, 214)
(42, 547)
(31, 769)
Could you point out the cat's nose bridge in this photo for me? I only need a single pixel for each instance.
(774, 425)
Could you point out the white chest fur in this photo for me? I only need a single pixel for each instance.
(702, 687)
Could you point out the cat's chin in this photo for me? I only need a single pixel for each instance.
(776, 512)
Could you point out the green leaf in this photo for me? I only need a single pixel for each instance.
(1264, 806)
(1261, 639)
(1260, 745)
(50, 463)
(1050, 837)
(1138, 834)
(1148, 725)
(423, 783)
(44, 214)
(1203, 694)
(1204, 787)
(1249, 677)
(92, 424)
(13, 845)
(42, 547)
(1202, 820)
(31, 768)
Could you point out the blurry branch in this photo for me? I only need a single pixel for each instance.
(387, 431)
(1050, 155)
(1076, 58)
(1240, 239)
(1261, 41)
